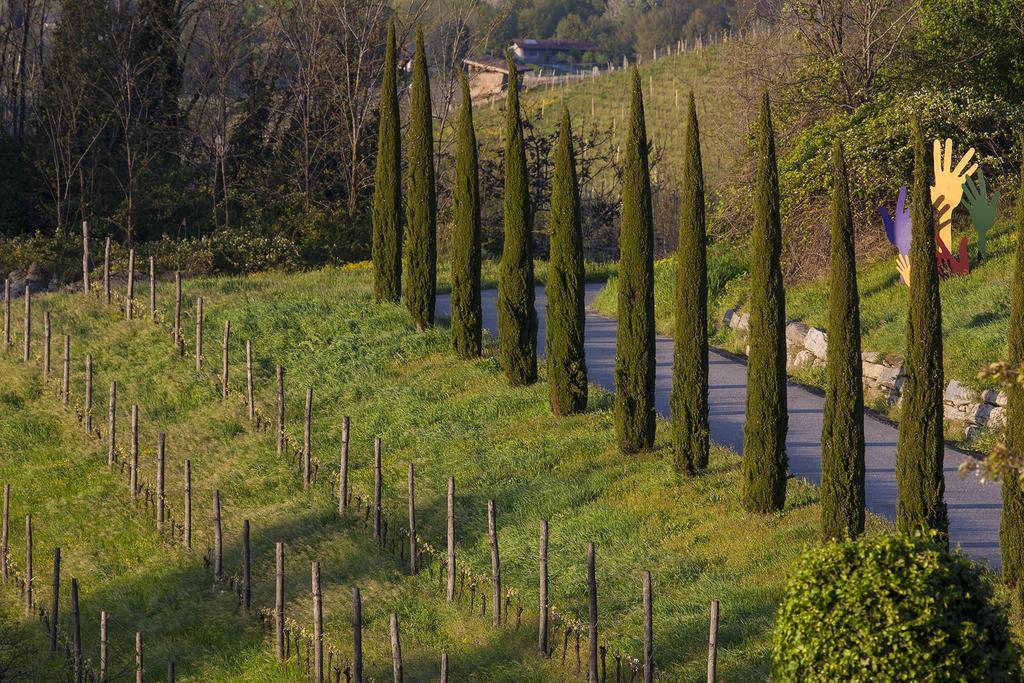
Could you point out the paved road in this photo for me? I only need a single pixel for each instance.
(973, 507)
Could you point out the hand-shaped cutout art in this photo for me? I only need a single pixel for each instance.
(949, 185)
(980, 207)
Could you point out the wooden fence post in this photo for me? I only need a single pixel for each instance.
(152, 288)
(177, 310)
(161, 440)
(592, 604)
(248, 380)
(7, 314)
(133, 462)
(450, 594)
(104, 646)
(5, 532)
(542, 571)
(87, 418)
(279, 602)
(713, 644)
(444, 667)
(85, 257)
(492, 532)
(357, 637)
(106, 271)
(318, 625)
(112, 424)
(412, 519)
(218, 540)
(199, 333)
(46, 346)
(396, 649)
(170, 671)
(246, 567)
(280, 410)
(76, 632)
(55, 600)
(343, 468)
(648, 630)
(377, 486)
(224, 360)
(188, 504)
(306, 438)
(28, 565)
(66, 380)
(138, 658)
(27, 348)
(128, 303)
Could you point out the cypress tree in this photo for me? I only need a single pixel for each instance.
(690, 363)
(634, 348)
(387, 186)
(517, 318)
(919, 452)
(1011, 526)
(421, 209)
(567, 368)
(466, 316)
(842, 434)
(764, 430)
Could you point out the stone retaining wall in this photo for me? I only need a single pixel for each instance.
(883, 376)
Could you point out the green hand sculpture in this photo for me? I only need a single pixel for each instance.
(981, 207)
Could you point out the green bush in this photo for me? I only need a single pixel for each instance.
(891, 608)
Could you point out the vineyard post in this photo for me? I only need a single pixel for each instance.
(280, 410)
(55, 601)
(87, 418)
(28, 324)
(152, 288)
(248, 380)
(592, 604)
(133, 462)
(138, 657)
(28, 565)
(306, 437)
(318, 625)
(5, 531)
(492, 532)
(279, 602)
(713, 644)
(412, 520)
(85, 257)
(343, 469)
(357, 637)
(246, 567)
(112, 424)
(648, 629)
(177, 310)
(106, 271)
(160, 461)
(66, 380)
(451, 540)
(224, 360)
(104, 646)
(396, 649)
(46, 346)
(218, 540)
(542, 570)
(76, 632)
(377, 485)
(199, 333)
(131, 285)
(188, 504)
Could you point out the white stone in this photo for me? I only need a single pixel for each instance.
(816, 342)
(997, 418)
(803, 359)
(730, 318)
(958, 394)
(996, 398)
(796, 333)
(981, 413)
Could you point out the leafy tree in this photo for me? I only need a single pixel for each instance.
(387, 186)
(764, 431)
(567, 368)
(842, 434)
(517, 318)
(690, 441)
(919, 452)
(421, 209)
(634, 349)
(467, 319)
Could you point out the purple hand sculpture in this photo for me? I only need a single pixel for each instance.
(898, 229)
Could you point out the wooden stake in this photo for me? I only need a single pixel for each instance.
(713, 644)
(5, 532)
(343, 469)
(306, 436)
(279, 602)
(592, 604)
(357, 637)
(87, 418)
(318, 625)
(188, 504)
(170, 671)
(396, 649)
(377, 486)
(28, 565)
(112, 424)
(444, 667)
(160, 460)
(542, 571)
(412, 520)
(218, 540)
(46, 346)
(492, 532)
(27, 349)
(106, 271)
(248, 380)
(138, 657)
(76, 632)
(133, 462)
(55, 601)
(246, 567)
(280, 410)
(85, 257)
(224, 360)
(7, 314)
(450, 595)
(104, 643)
(199, 333)
(66, 380)
(648, 630)
(177, 309)
(152, 288)
(128, 303)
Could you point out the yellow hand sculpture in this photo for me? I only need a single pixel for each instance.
(903, 266)
(949, 182)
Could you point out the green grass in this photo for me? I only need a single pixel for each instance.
(449, 417)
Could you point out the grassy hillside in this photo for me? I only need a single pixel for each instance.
(449, 417)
